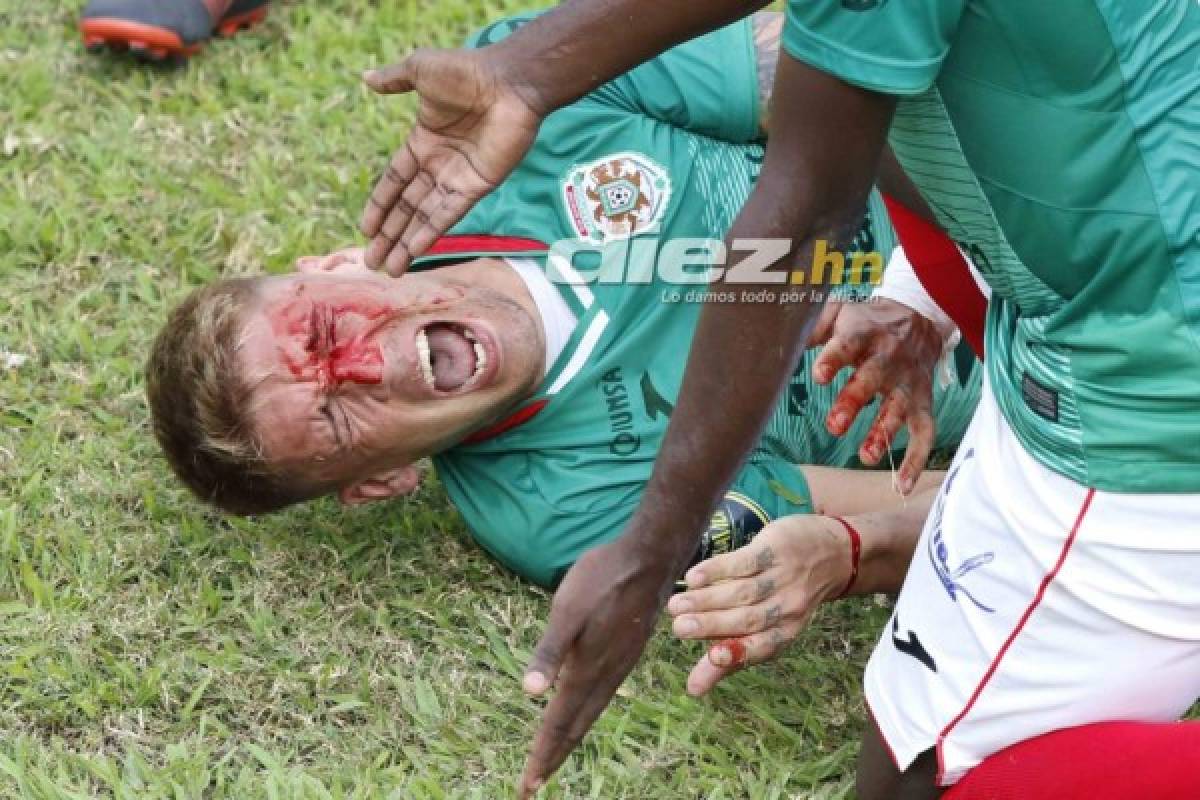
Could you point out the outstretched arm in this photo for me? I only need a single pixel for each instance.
(842, 492)
(756, 600)
(480, 109)
(818, 171)
(556, 57)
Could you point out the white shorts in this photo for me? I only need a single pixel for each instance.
(1034, 604)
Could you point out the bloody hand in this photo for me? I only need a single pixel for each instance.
(894, 351)
(758, 599)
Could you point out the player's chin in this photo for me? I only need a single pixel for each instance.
(517, 365)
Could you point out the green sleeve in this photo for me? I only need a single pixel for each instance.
(889, 46)
(708, 85)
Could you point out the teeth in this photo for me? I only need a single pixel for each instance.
(423, 358)
(480, 357)
(480, 353)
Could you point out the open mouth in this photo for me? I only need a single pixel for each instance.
(450, 356)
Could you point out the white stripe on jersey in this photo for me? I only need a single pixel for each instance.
(584, 351)
(567, 273)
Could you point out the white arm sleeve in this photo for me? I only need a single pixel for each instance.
(900, 283)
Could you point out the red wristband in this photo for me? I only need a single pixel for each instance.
(855, 555)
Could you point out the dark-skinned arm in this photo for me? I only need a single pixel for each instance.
(827, 137)
(554, 58)
(474, 126)
(480, 109)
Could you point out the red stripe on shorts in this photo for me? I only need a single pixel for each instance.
(1037, 599)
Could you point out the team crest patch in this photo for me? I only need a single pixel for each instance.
(616, 197)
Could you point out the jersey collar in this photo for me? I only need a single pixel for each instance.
(459, 246)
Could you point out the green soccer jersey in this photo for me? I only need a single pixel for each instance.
(671, 150)
(1060, 143)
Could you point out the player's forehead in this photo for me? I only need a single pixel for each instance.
(258, 352)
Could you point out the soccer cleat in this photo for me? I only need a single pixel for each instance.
(158, 29)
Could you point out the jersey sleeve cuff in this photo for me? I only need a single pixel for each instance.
(865, 69)
(742, 84)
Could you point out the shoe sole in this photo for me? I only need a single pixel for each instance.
(156, 43)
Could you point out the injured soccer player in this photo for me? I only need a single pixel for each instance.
(336, 380)
(540, 378)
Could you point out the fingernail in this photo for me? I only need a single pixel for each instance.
(686, 625)
(839, 421)
(369, 75)
(694, 578)
(534, 683)
(678, 605)
(720, 656)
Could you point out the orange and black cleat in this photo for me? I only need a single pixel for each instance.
(160, 29)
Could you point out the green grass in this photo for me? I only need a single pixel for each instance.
(149, 648)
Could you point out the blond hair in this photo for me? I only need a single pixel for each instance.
(199, 402)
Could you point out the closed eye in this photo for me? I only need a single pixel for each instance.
(347, 431)
(327, 412)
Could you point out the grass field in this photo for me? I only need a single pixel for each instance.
(150, 649)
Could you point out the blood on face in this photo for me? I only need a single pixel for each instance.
(337, 346)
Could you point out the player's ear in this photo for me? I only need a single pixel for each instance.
(383, 486)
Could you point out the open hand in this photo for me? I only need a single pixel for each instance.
(603, 613)
(473, 127)
(894, 351)
(757, 599)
